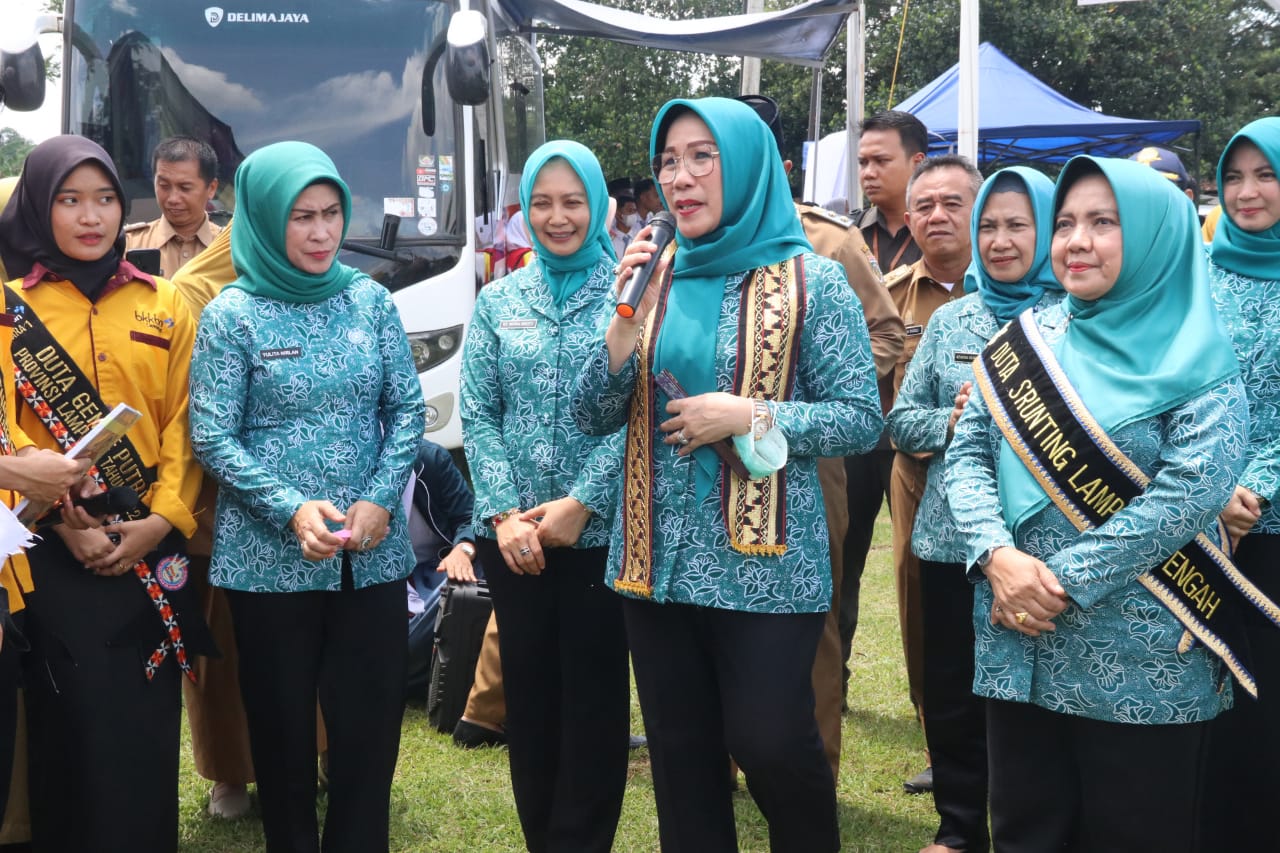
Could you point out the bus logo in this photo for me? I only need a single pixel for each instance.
(213, 15)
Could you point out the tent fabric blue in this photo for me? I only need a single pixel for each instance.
(799, 35)
(1021, 119)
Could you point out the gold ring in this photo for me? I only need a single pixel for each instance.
(1022, 616)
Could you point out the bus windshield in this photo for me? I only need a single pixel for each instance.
(345, 75)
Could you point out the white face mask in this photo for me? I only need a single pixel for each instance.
(631, 220)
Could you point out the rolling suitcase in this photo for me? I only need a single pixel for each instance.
(464, 613)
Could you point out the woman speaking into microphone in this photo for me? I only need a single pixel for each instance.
(746, 359)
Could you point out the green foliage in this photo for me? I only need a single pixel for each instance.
(13, 151)
(1215, 60)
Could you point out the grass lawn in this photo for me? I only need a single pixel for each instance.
(449, 800)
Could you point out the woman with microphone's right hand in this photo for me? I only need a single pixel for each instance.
(621, 335)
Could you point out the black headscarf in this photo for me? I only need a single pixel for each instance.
(26, 235)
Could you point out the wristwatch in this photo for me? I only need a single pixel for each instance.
(984, 559)
(468, 549)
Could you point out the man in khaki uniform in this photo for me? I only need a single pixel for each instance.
(186, 178)
(939, 203)
(834, 236)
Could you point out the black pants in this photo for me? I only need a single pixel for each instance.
(348, 648)
(102, 740)
(564, 670)
(10, 678)
(715, 683)
(1243, 783)
(1068, 783)
(868, 487)
(957, 730)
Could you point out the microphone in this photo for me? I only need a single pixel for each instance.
(664, 231)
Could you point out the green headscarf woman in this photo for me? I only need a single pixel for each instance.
(1150, 342)
(566, 273)
(268, 183)
(1243, 247)
(1008, 299)
(755, 225)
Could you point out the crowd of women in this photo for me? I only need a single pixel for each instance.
(646, 489)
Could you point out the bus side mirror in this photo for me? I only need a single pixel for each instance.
(467, 58)
(22, 79)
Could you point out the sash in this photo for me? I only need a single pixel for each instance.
(65, 399)
(1089, 479)
(68, 404)
(769, 328)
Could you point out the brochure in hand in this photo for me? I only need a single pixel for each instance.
(95, 443)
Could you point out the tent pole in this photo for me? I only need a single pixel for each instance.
(815, 123)
(855, 95)
(751, 64)
(967, 120)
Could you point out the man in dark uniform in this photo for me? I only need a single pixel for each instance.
(834, 236)
(891, 144)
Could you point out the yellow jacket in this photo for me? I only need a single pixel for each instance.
(134, 343)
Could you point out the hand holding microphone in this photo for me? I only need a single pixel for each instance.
(662, 232)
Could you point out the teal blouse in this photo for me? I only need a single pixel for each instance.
(293, 402)
(521, 355)
(834, 411)
(1114, 655)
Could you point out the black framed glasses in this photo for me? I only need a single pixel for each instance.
(698, 161)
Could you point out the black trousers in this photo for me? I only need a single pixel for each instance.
(564, 670)
(1068, 783)
(102, 740)
(868, 487)
(10, 679)
(957, 730)
(1243, 783)
(348, 648)
(715, 683)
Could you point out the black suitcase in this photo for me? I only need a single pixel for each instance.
(464, 613)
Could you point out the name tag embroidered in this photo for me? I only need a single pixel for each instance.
(152, 340)
(279, 353)
(965, 357)
(518, 324)
(915, 329)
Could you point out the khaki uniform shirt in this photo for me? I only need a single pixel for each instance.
(917, 296)
(174, 251)
(833, 236)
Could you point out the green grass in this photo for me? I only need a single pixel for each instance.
(449, 800)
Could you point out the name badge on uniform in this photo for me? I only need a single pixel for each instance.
(966, 357)
(280, 352)
(518, 324)
(915, 330)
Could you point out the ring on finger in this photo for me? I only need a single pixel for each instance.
(1021, 616)
(526, 551)
(617, 269)
(365, 543)
(682, 438)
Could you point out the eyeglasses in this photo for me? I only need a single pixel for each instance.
(698, 161)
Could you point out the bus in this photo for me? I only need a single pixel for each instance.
(429, 131)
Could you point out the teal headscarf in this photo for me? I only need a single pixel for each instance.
(1255, 254)
(1153, 341)
(564, 274)
(268, 182)
(758, 227)
(1009, 299)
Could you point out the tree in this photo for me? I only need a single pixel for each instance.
(1214, 60)
(13, 151)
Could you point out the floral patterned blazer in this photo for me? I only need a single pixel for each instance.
(293, 402)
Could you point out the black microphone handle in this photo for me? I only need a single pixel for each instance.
(664, 232)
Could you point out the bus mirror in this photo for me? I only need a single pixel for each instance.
(467, 58)
(22, 79)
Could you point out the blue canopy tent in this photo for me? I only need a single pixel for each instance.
(1020, 120)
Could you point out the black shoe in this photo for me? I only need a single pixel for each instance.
(470, 736)
(637, 742)
(921, 783)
